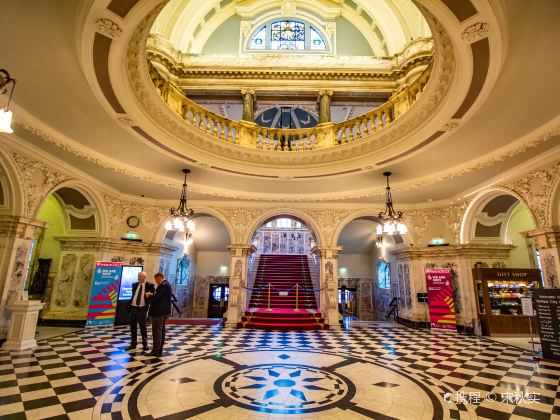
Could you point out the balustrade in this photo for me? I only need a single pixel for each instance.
(249, 134)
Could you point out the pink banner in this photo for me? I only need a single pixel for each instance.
(440, 298)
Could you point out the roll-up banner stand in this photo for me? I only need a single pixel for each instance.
(104, 293)
(440, 299)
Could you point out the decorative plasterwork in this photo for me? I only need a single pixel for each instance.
(108, 28)
(36, 178)
(475, 32)
(241, 220)
(126, 121)
(328, 220)
(472, 251)
(451, 125)
(536, 189)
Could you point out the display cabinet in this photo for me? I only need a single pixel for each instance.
(498, 294)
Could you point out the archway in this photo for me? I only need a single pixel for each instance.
(199, 269)
(499, 216)
(365, 269)
(60, 273)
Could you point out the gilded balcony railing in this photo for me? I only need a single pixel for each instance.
(249, 134)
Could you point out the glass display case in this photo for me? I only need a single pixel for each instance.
(498, 293)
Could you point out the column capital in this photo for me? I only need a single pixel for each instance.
(19, 226)
(92, 243)
(547, 237)
(326, 92)
(248, 92)
(327, 251)
(239, 250)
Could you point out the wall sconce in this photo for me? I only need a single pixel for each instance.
(5, 113)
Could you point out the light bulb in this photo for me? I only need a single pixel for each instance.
(168, 225)
(177, 223)
(5, 121)
(181, 227)
(390, 228)
(379, 229)
(191, 226)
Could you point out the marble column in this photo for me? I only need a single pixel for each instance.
(18, 236)
(239, 263)
(248, 105)
(325, 106)
(547, 240)
(328, 283)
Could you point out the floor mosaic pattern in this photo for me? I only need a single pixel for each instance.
(210, 372)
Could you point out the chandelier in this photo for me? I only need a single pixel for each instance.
(390, 221)
(5, 113)
(181, 218)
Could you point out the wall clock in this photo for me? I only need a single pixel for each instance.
(133, 221)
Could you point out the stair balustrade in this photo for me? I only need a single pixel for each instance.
(394, 309)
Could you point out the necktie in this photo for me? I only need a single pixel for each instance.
(139, 295)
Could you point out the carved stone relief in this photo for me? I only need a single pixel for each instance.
(108, 28)
(406, 281)
(241, 219)
(475, 32)
(65, 280)
(549, 272)
(16, 285)
(536, 189)
(82, 282)
(328, 220)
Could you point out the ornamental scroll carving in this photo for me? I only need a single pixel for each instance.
(241, 220)
(451, 216)
(475, 32)
(36, 178)
(118, 211)
(108, 28)
(328, 220)
(536, 190)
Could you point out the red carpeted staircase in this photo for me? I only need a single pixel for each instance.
(283, 273)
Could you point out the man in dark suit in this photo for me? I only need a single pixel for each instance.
(160, 309)
(138, 309)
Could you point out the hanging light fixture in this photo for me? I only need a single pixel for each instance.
(5, 113)
(181, 218)
(390, 220)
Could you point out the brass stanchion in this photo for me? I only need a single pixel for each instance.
(297, 298)
(268, 309)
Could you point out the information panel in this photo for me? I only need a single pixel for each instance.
(548, 315)
(440, 299)
(129, 276)
(104, 293)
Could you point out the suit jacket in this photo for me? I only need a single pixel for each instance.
(160, 301)
(148, 287)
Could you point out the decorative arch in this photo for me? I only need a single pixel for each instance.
(161, 231)
(274, 213)
(12, 188)
(364, 214)
(554, 211)
(94, 199)
(478, 203)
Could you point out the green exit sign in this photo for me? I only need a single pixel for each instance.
(131, 235)
(437, 241)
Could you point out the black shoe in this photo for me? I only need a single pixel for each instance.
(131, 347)
(145, 347)
(154, 354)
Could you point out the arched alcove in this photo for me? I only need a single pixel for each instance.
(199, 267)
(362, 294)
(499, 216)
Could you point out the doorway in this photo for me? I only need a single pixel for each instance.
(347, 301)
(218, 300)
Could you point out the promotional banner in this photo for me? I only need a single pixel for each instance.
(104, 294)
(440, 298)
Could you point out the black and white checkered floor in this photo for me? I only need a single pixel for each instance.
(216, 373)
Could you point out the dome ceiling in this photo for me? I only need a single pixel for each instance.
(473, 125)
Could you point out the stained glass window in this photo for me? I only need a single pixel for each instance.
(287, 35)
(258, 40)
(383, 275)
(317, 41)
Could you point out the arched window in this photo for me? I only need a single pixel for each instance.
(383, 275)
(289, 35)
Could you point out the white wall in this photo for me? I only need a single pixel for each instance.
(208, 263)
(357, 265)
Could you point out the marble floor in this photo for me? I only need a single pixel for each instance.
(368, 371)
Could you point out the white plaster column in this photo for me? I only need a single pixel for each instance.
(547, 240)
(328, 283)
(18, 236)
(239, 262)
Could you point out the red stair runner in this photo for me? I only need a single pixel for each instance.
(283, 273)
